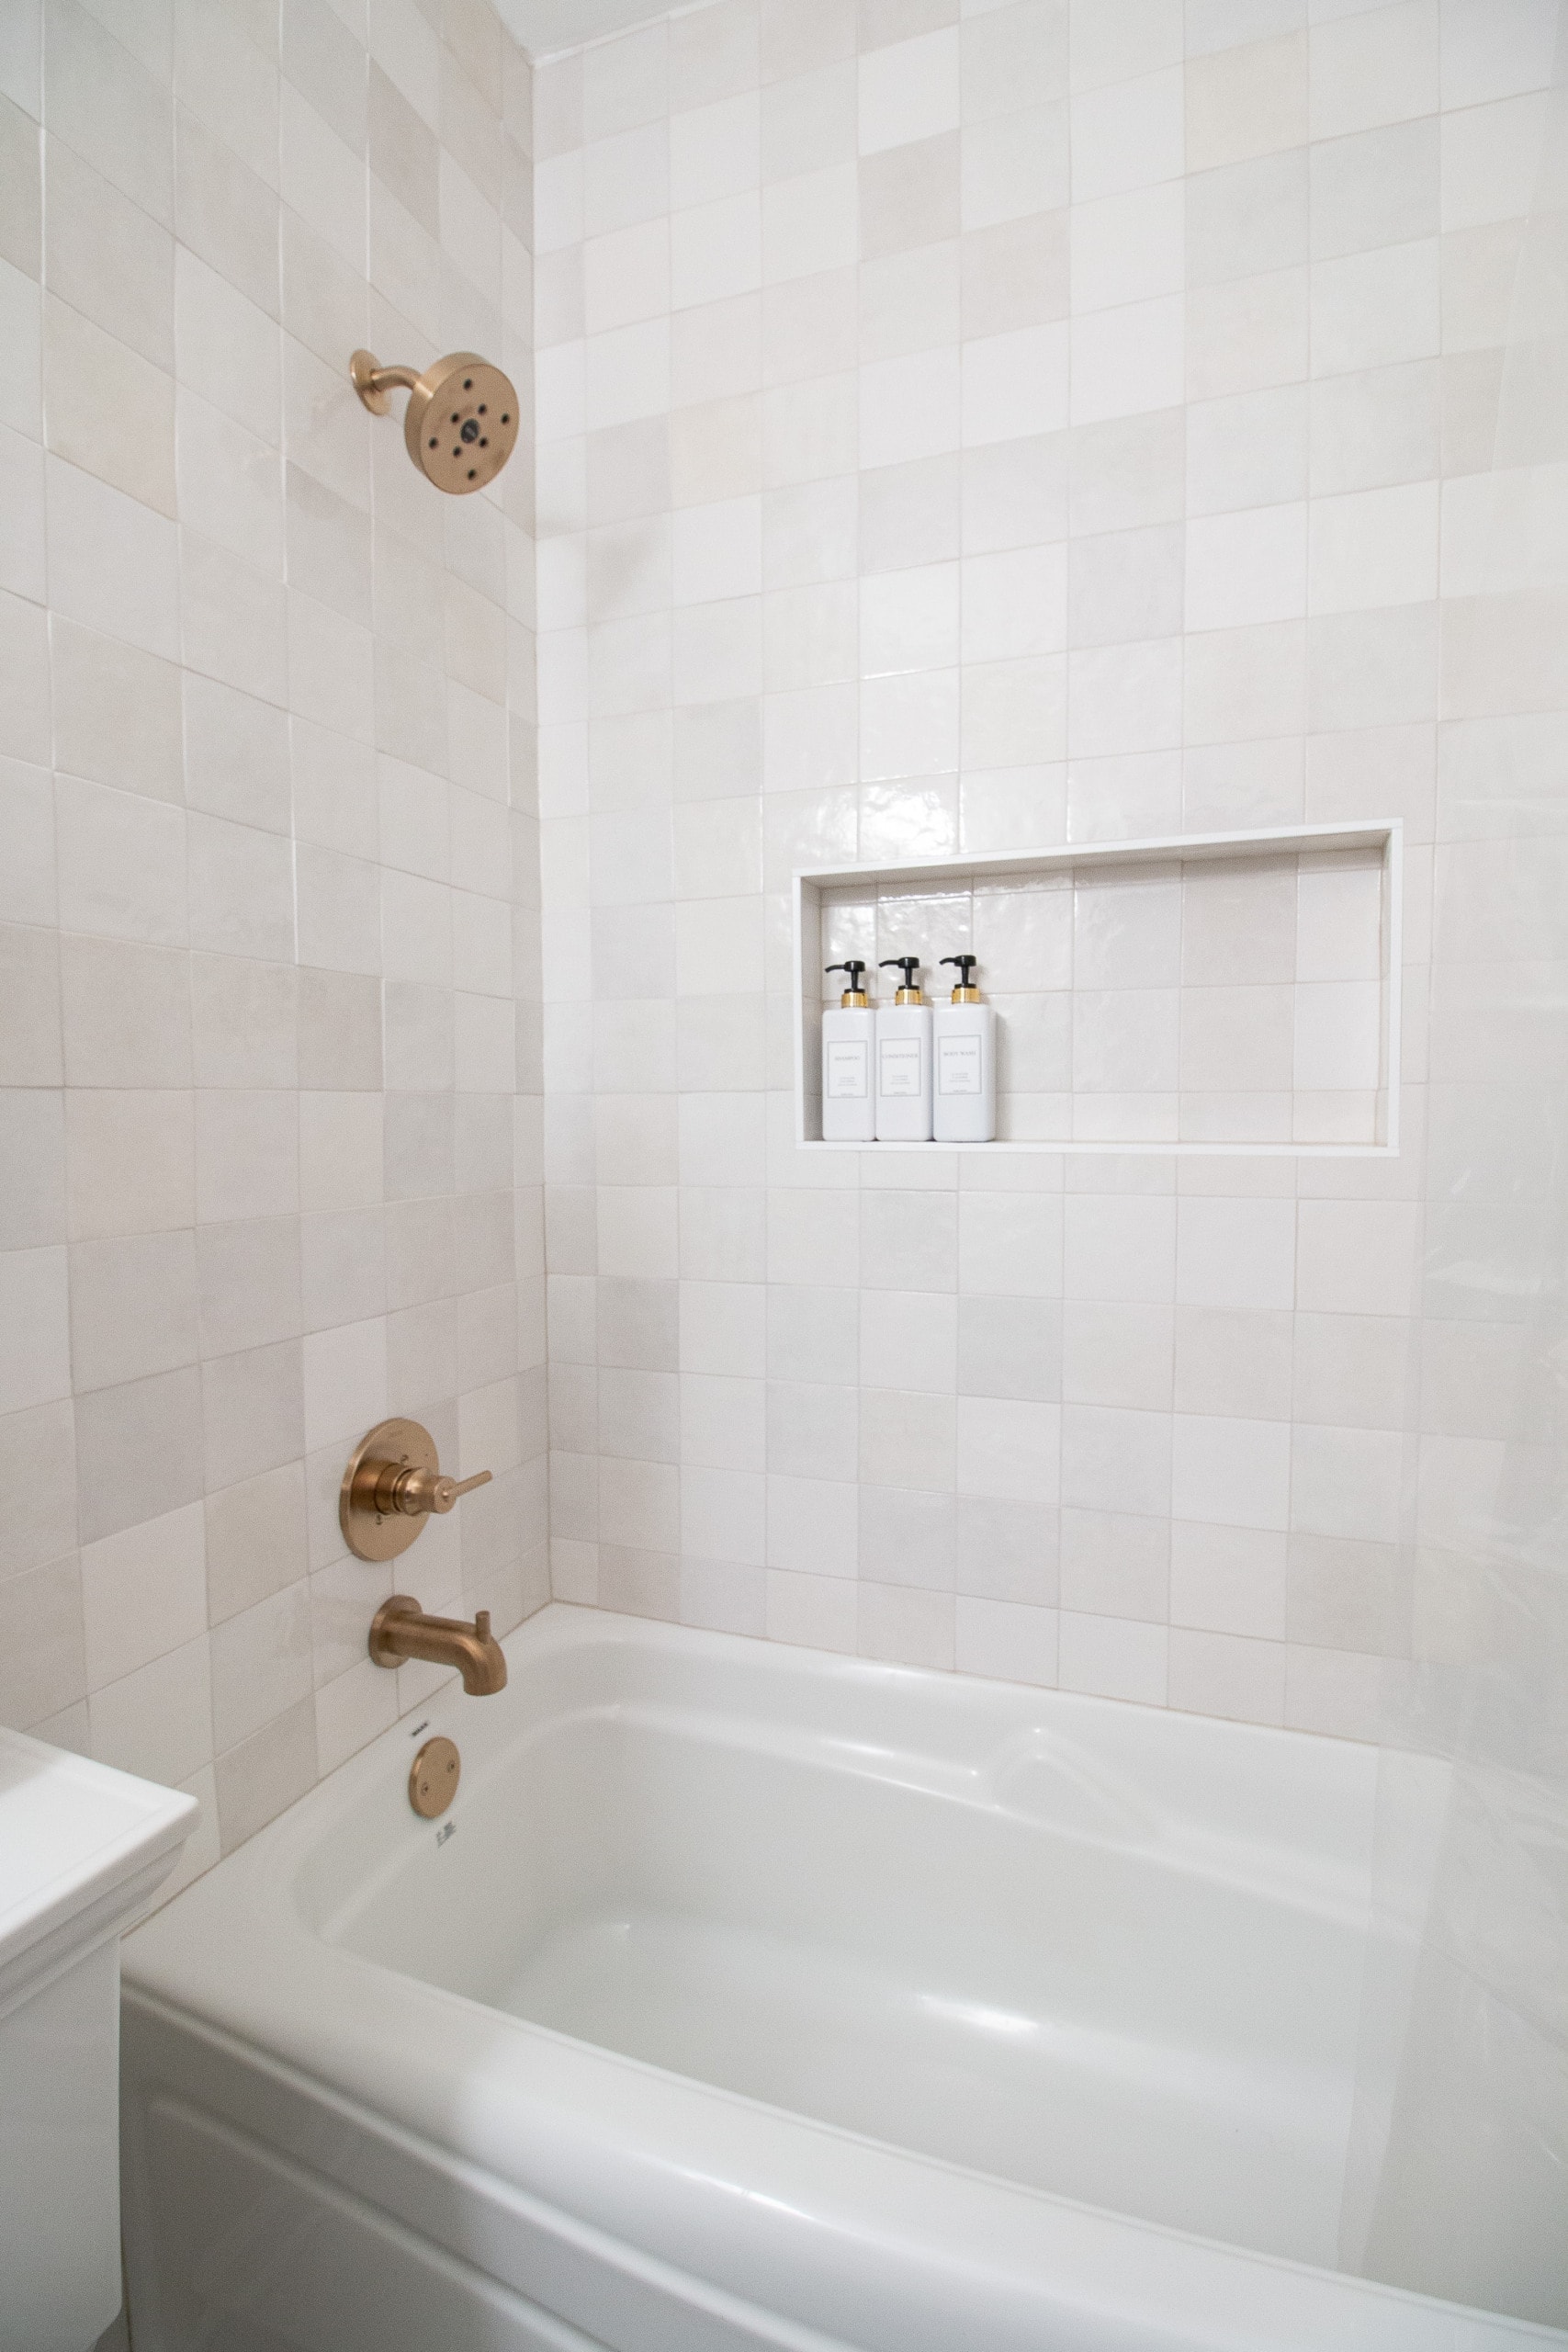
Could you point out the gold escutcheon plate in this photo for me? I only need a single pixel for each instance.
(433, 1777)
(371, 1535)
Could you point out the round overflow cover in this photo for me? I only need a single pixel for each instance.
(433, 1780)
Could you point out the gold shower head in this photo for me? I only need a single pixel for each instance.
(461, 421)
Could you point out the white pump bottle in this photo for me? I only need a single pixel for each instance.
(964, 1103)
(903, 1060)
(849, 1103)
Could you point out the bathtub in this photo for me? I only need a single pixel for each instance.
(753, 1997)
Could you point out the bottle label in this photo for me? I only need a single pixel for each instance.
(848, 1076)
(958, 1066)
(898, 1066)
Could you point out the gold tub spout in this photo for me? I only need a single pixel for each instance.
(400, 1629)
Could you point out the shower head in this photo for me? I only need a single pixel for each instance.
(461, 421)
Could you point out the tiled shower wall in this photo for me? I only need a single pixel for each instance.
(969, 428)
(268, 887)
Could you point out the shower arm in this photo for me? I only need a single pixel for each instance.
(373, 382)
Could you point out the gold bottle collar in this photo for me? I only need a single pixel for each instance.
(908, 996)
(966, 996)
(854, 1001)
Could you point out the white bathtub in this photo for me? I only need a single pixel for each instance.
(752, 1996)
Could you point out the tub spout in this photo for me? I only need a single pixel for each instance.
(400, 1629)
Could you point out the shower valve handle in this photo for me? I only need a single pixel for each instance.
(413, 1491)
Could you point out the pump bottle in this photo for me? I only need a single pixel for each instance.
(904, 1059)
(963, 1044)
(849, 1106)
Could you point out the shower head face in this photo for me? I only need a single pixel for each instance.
(461, 424)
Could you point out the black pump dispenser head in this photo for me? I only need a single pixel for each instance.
(966, 992)
(908, 990)
(854, 998)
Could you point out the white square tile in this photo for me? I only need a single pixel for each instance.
(724, 1515)
(1374, 547)
(1014, 603)
(143, 1593)
(1115, 1459)
(809, 636)
(1128, 247)
(1246, 568)
(1495, 48)
(813, 1526)
(638, 1231)
(1491, 155)
(908, 1339)
(1338, 1034)
(905, 1626)
(714, 149)
(1228, 1580)
(909, 408)
(810, 121)
(1380, 65)
(624, 178)
(345, 1381)
(157, 1722)
(1118, 1355)
(1127, 362)
(1015, 166)
(716, 250)
(625, 276)
(1235, 1473)
(908, 91)
(1007, 1640)
(816, 1610)
(1358, 1257)
(1115, 41)
(1113, 1657)
(626, 375)
(1014, 385)
(910, 620)
(1221, 1674)
(1117, 1248)
(1128, 134)
(34, 1339)
(112, 562)
(1349, 1483)
(1013, 56)
(1246, 99)
(1126, 1041)
(1124, 699)
(1338, 918)
(717, 550)
(810, 224)
(1374, 310)
(1236, 1254)
(122, 863)
(910, 725)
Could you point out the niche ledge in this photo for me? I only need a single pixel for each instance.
(1234, 993)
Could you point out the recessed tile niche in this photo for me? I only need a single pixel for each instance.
(1235, 992)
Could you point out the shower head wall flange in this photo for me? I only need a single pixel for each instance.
(461, 422)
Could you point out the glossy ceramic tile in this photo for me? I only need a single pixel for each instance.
(194, 1267)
